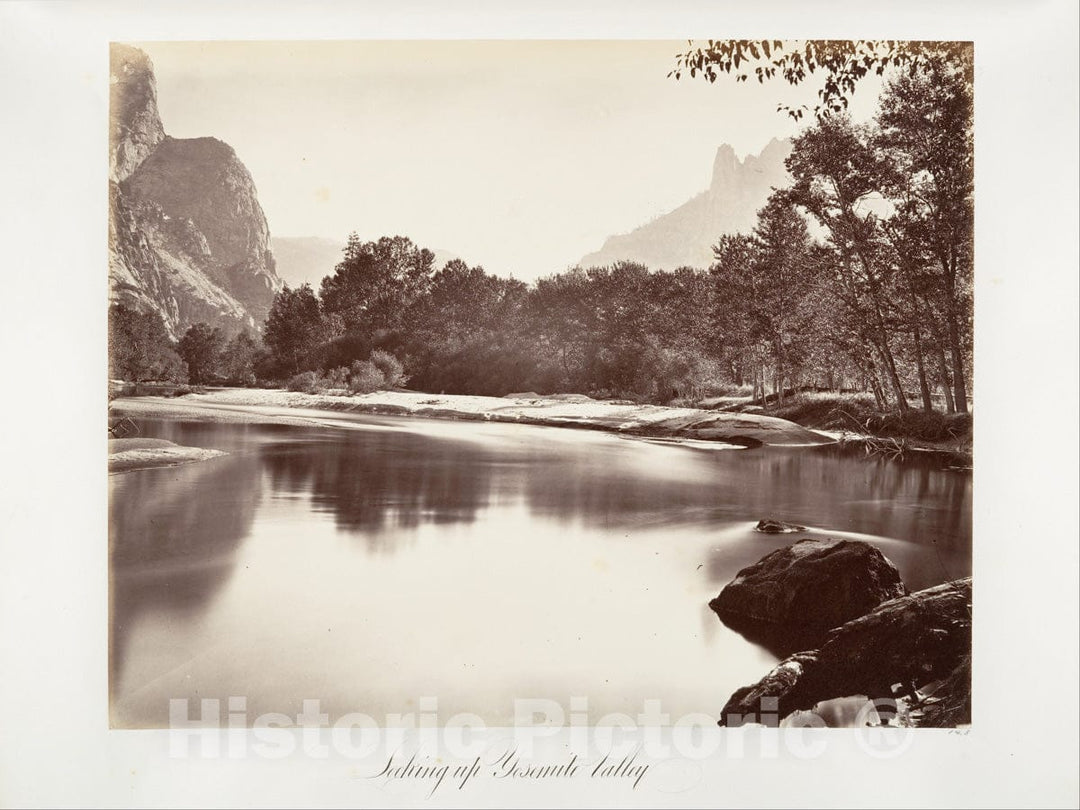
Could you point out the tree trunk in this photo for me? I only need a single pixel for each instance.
(924, 387)
(946, 383)
(875, 381)
(780, 373)
(882, 331)
(959, 385)
(916, 334)
(890, 370)
(955, 349)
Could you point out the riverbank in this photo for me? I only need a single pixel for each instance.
(564, 410)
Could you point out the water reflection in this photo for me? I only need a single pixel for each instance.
(376, 481)
(220, 569)
(173, 536)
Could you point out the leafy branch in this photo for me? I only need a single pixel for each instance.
(842, 63)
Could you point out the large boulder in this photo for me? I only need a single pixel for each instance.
(918, 646)
(792, 597)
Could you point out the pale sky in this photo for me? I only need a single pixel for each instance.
(521, 156)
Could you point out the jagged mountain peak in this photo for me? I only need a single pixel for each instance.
(686, 235)
(135, 124)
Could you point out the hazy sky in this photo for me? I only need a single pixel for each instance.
(521, 156)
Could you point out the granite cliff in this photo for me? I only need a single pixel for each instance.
(187, 236)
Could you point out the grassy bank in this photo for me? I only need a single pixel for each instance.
(947, 434)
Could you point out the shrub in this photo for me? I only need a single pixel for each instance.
(305, 381)
(365, 377)
(392, 371)
(335, 378)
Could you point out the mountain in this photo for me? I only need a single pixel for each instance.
(685, 236)
(187, 236)
(307, 259)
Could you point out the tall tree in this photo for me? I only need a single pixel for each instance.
(238, 359)
(201, 349)
(295, 328)
(376, 283)
(839, 179)
(561, 325)
(140, 348)
(781, 265)
(925, 128)
(735, 295)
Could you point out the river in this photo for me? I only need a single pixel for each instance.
(369, 562)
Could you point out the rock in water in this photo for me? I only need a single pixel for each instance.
(923, 639)
(791, 598)
(769, 526)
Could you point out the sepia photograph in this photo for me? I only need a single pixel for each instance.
(515, 404)
(464, 370)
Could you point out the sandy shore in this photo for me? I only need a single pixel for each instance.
(575, 411)
(139, 454)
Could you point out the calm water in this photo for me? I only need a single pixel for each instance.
(371, 561)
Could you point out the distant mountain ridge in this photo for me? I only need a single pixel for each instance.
(686, 235)
(187, 236)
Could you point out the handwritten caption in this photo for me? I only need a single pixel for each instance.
(437, 773)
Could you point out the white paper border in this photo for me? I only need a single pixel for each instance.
(55, 748)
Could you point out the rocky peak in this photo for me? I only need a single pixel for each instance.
(134, 123)
(685, 236)
(725, 166)
(728, 170)
(188, 238)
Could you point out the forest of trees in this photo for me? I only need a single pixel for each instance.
(858, 276)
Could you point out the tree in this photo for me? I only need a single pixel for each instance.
(295, 328)
(459, 304)
(618, 306)
(839, 179)
(763, 284)
(561, 325)
(781, 265)
(238, 359)
(201, 348)
(140, 348)
(896, 198)
(925, 129)
(840, 63)
(376, 283)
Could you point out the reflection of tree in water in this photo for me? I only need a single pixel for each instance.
(173, 534)
(374, 481)
(914, 502)
(596, 487)
(925, 507)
